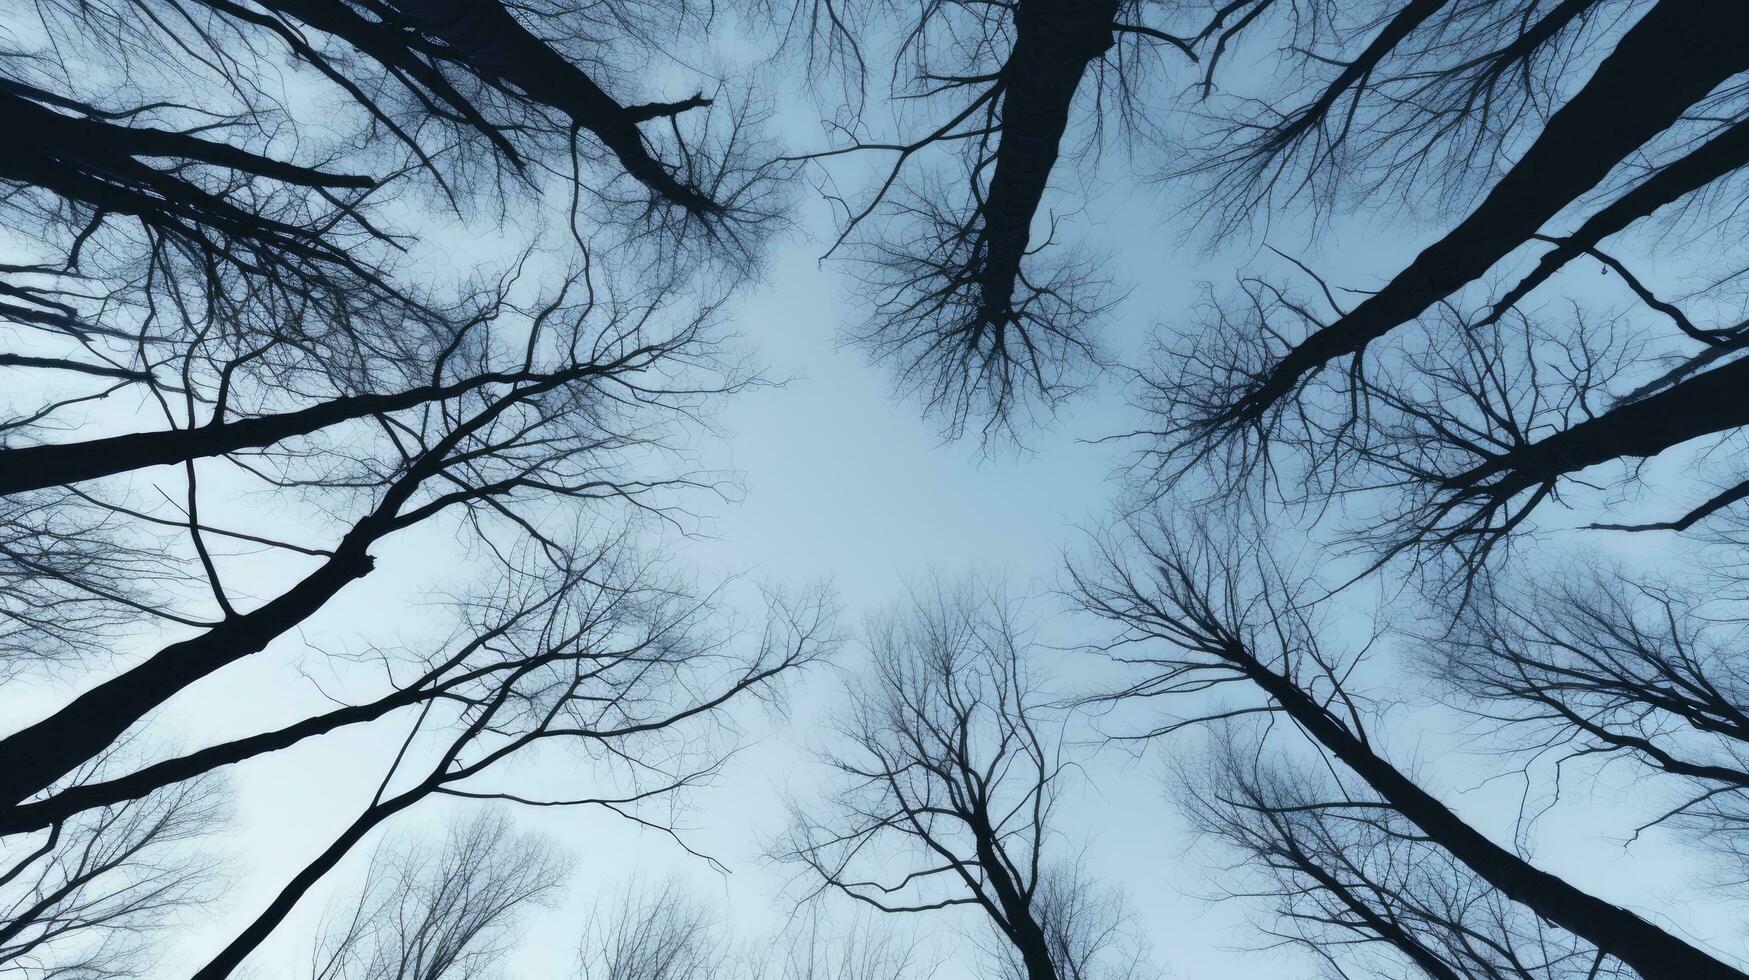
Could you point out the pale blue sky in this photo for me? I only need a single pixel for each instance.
(846, 483)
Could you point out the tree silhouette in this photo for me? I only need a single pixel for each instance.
(1656, 75)
(577, 397)
(949, 779)
(1359, 885)
(89, 895)
(428, 912)
(1198, 612)
(620, 668)
(966, 300)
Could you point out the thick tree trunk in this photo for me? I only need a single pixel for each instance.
(35, 757)
(1703, 405)
(1652, 952)
(485, 35)
(1723, 154)
(1024, 931)
(1054, 42)
(1674, 56)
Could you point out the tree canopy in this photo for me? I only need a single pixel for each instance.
(373, 372)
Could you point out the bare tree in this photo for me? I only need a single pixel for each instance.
(1352, 880)
(196, 239)
(619, 668)
(426, 912)
(88, 896)
(662, 933)
(1427, 99)
(208, 241)
(506, 87)
(1197, 612)
(1596, 667)
(967, 298)
(1236, 392)
(1467, 433)
(979, 320)
(666, 932)
(950, 771)
(1439, 415)
(75, 579)
(474, 656)
(1089, 927)
(854, 947)
(221, 225)
(576, 408)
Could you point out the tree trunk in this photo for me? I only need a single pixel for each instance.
(1651, 951)
(1673, 57)
(490, 40)
(1703, 405)
(1054, 42)
(256, 932)
(35, 757)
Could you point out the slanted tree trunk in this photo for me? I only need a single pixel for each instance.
(485, 35)
(1649, 950)
(1055, 41)
(1715, 401)
(1672, 58)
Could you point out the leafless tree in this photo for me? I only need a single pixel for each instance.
(854, 947)
(161, 236)
(1465, 435)
(666, 932)
(980, 313)
(1352, 880)
(75, 580)
(1467, 430)
(978, 318)
(220, 231)
(504, 88)
(1199, 612)
(425, 912)
(1228, 394)
(417, 680)
(662, 933)
(1088, 926)
(88, 896)
(1434, 416)
(1593, 666)
(197, 237)
(581, 400)
(950, 767)
(623, 671)
(185, 208)
(1427, 98)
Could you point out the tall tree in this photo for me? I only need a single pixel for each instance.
(950, 773)
(1658, 111)
(623, 669)
(1195, 612)
(579, 398)
(1354, 882)
(981, 315)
